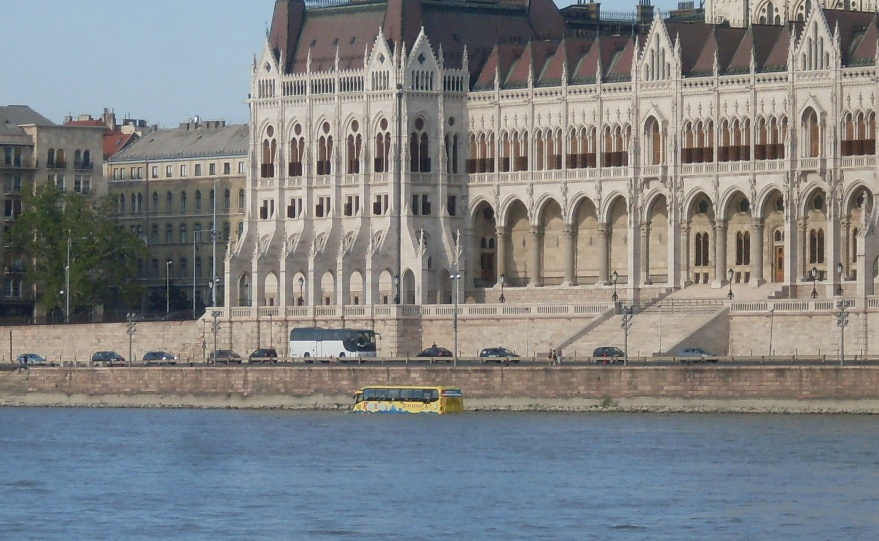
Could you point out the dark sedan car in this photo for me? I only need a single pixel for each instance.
(498, 355)
(159, 357)
(224, 356)
(108, 358)
(263, 355)
(607, 354)
(435, 351)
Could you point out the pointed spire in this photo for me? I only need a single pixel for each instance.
(752, 65)
(441, 60)
(465, 60)
(336, 60)
(308, 61)
(716, 66)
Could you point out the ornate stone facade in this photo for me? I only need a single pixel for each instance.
(390, 149)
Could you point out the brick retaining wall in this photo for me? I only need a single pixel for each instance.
(332, 385)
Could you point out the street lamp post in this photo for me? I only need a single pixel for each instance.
(301, 285)
(215, 327)
(396, 289)
(131, 330)
(841, 322)
(729, 276)
(67, 285)
(194, 235)
(614, 277)
(502, 299)
(839, 269)
(455, 276)
(814, 274)
(168, 287)
(627, 322)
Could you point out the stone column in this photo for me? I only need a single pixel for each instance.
(568, 243)
(644, 263)
(603, 259)
(757, 226)
(534, 255)
(802, 255)
(845, 251)
(502, 239)
(685, 254)
(719, 253)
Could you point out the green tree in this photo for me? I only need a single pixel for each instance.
(103, 256)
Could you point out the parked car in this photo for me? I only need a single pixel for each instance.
(263, 355)
(696, 355)
(108, 358)
(435, 351)
(607, 354)
(224, 356)
(159, 357)
(32, 359)
(499, 355)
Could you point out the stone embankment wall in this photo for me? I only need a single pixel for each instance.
(702, 388)
(747, 334)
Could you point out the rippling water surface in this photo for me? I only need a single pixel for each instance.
(224, 474)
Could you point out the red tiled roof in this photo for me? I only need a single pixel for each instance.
(114, 141)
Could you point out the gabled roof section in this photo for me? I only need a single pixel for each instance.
(350, 29)
(115, 141)
(694, 39)
(187, 142)
(608, 51)
(771, 46)
(565, 58)
(728, 41)
(499, 61)
(533, 59)
(620, 57)
(13, 116)
(853, 28)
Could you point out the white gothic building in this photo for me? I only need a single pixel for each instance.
(395, 144)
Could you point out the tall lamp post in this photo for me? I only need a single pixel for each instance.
(627, 322)
(814, 274)
(396, 289)
(729, 276)
(67, 285)
(215, 328)
(131, 330)
(502, 299)
(839, 269)
(613, 278)
(455, 276)
(841, 322)
(168, 287)
(301, 285)
(194, 235)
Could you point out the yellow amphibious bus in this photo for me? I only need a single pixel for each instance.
(400, 399)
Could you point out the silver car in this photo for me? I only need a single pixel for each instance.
(32, 359)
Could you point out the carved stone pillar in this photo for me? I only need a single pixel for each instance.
(645, 253)
(802, 255)
(603, 274)
(502, 239)
(719, 252)
(534, 255)
(757, 227)
(685, 254)
(568, 243)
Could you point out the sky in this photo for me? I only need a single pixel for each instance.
(163, 61)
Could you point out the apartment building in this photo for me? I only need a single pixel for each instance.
(182, 191)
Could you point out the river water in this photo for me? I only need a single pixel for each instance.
(228, 474)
